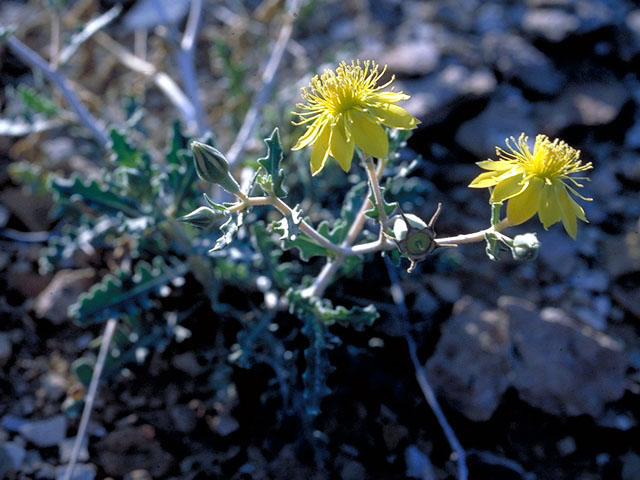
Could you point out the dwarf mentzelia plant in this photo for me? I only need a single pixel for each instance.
(348, 115)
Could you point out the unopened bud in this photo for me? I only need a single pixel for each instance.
(202, 217)
(525, 247)
(213, 167)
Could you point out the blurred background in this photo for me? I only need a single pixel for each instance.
(536, 364)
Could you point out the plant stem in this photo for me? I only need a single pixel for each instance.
(473, 237)
(109, 330)
(34, 60)
(421, 375)
(377, 193)
(268, 80)
(320, 284)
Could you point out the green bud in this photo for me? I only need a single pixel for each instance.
(525, 247)
(203, 217)
(400, 227)
(212, 167)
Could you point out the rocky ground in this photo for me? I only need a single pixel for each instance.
(537, 364)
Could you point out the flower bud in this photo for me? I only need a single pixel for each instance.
(525, 247)
(202, 217)
(212, 167)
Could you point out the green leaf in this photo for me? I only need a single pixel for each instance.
(83, 369)
(271, 164)
(123, 292)
(93, 195)
(36, 102)
(125, 155)
(373, 212)
(230, 229)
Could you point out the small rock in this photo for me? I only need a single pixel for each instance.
(353, 470)
(393, 434)
(558, 252)
(187, 362)
(62, 291)
(630, 466)
(138, 475)
(184, 418)
(434, 96)
(66, 449)
(622, 254)
(591, 317)
(553, 362)
(507, 115)
(516, 59)
(12, 423)
(223, 424)
(131, 448)
(5, 349)
(418, 464)
(31, 210)
(566, 446)
(593, 280)
(81, 471)
(585, 104)
(15, 453)
(45, 433)
(412, 58)
(553, 24)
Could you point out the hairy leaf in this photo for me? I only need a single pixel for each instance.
(123, 292)
(271, 164)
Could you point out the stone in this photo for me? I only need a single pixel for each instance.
(555, 363)
(558, 251)
(622, 254)
(592, 280)
(517, 59)
(412, 58)
(45, 433)
(418, 464)
(433, 96)
(66, 449)
(223, 424)
(552, 24)
(31, 210)
(15, 454)
(132, 448)
(5, 349)
(81, 471)
(184, 418)
(61, 292)
(507, 115)
(353, 470)
(12, 423)
(584, 104)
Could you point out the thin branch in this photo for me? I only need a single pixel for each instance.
(268, 80)
(421, 374)
(473, 237)
(88, 31)
(109, 330)
(34, 60)
(163, 81)
(185, 57)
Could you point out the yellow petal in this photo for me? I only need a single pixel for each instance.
(507, 188)
(310, 135)
(390, 97)
(394, 116)
(320, 151)
(497, 165)
(524, 206)
(548, 211)
(369, 136)
(486, 179)
(567, 214)
(341, 146)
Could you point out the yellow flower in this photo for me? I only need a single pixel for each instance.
(537, 182)
(345, 109)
